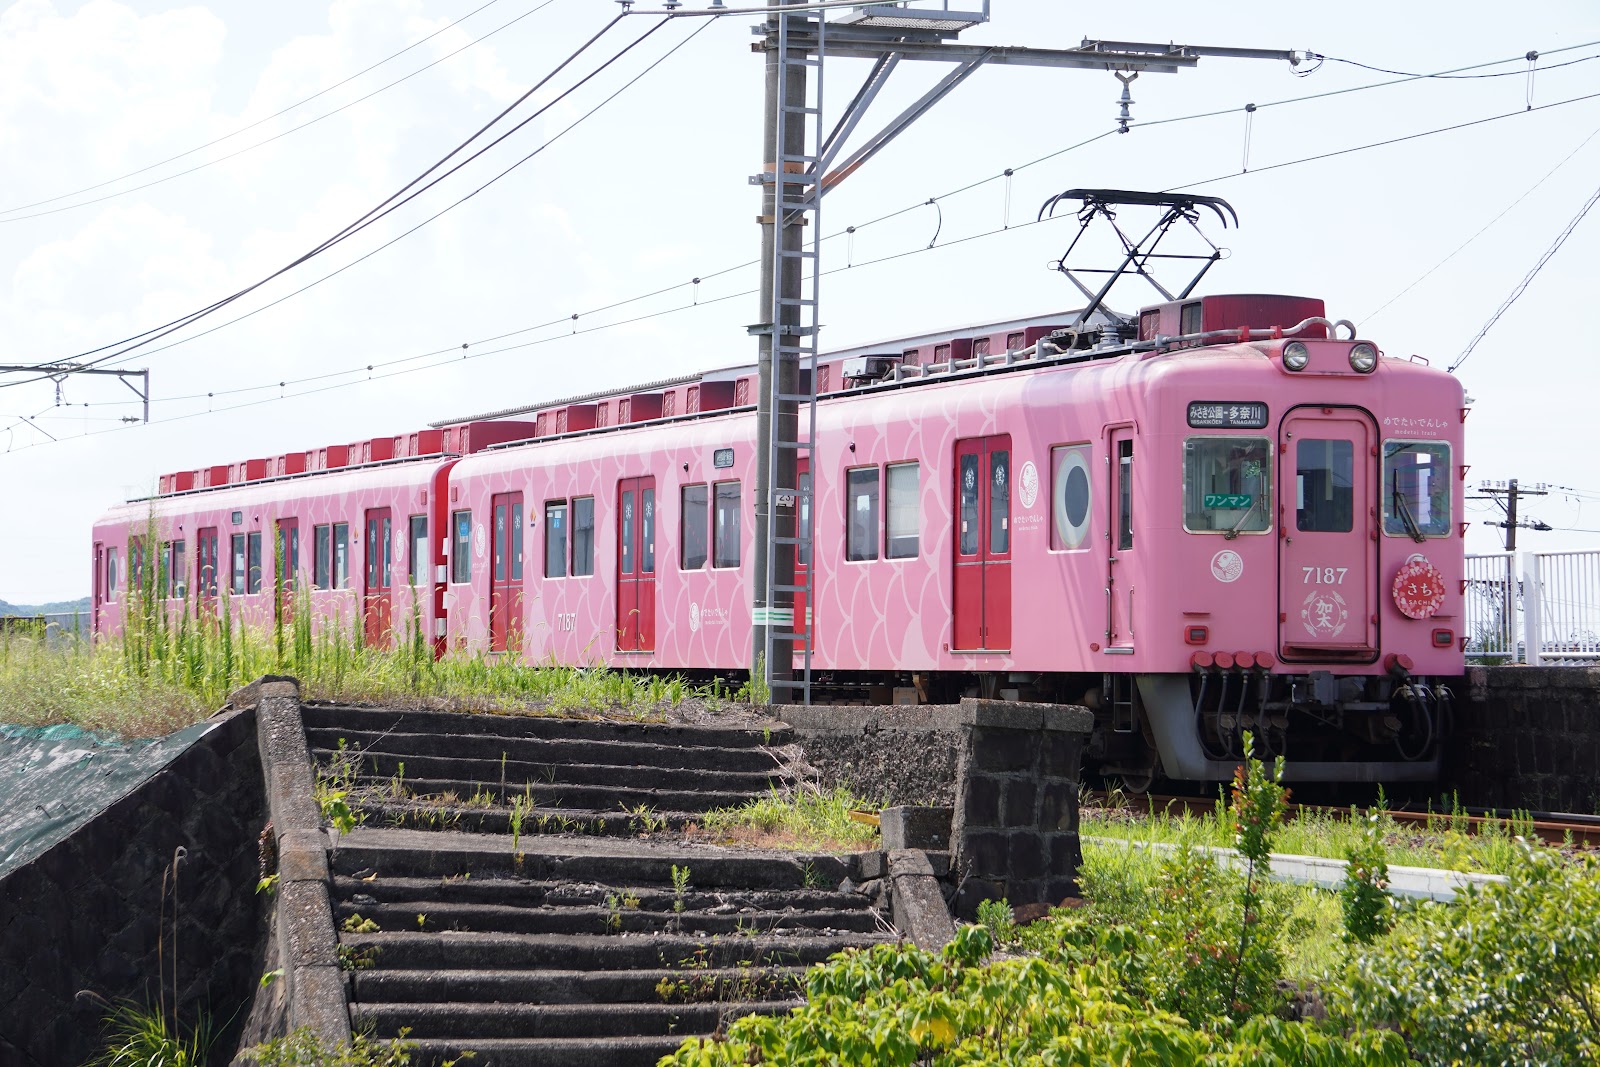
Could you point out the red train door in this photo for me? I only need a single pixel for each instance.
(983, 544)
(802, 553)
(1328, 534)
(1119, 559)
(505, 593)
(99, 583)
(380, 562)
(636, 565)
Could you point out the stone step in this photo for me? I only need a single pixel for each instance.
(657, 985)
(616, 798)
(468, 1021)
(595, 952)
(520, 892)
(549, 1052)
(512, 775)
(603, 919)
(453, 723)
(421, 814)
(544, 750)
(394, 853)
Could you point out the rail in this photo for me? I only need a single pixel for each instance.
(1533, 607)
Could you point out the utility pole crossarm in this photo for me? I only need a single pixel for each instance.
(59, 371)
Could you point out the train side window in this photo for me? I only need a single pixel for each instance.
(177, 575)
(1324, 485)
(968, 481)
(1227, 485)
(1416, 488)
(341, 555)
(205, 548)
(695, 526)
(1124, 495)
(322, 557)
(903, 514)
(861, 514)
(461, 547)
(555, 538)
(1071, 490)
(417, 572)
(516, 538)
(582, 536)
(1000, 501)
(725, 526)
(236, 557)
(252, 573)
(111, 574)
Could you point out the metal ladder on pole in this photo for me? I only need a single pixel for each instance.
(794, 339)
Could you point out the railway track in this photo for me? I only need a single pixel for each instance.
(1553, 828)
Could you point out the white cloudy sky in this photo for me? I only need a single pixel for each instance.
(652, 191)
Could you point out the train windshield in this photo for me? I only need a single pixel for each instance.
(1227, 485)
(1416, 489)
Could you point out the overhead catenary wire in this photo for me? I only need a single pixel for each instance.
(266, 141)
(139, 340)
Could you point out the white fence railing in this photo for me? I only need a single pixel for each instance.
(1545, 610)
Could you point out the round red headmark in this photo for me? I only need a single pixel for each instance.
(1418, 588)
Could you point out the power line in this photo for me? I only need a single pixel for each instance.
(139, 340)
(1459, 248)
(1531, 57)
(276, 114)
(269, 140)
(1522, 286)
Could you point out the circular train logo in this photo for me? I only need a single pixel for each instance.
(1227, 566)
(694, 617)
(1325, 614)
(1418, 588)
(1028, 485)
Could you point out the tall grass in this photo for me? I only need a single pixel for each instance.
(176, 662)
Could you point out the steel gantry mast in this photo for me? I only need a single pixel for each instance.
(800, 165)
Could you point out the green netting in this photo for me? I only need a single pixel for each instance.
(53, 779)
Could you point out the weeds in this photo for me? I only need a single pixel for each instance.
(138, 1037)
(803, 819)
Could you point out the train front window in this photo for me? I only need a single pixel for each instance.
(1416, 489)
(1227, 485)
(1324, 486)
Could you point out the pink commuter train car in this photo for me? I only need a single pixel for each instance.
(1234, 520)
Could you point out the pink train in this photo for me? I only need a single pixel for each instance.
(1234, 520)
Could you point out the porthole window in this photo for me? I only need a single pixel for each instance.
(1071, 496)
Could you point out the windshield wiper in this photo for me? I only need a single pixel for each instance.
(1230, 534)
(1404, 509)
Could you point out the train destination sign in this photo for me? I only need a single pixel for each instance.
(722, 457)
(1228, 500)
(1227, 415)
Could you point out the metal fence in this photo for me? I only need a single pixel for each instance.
(1533, 607)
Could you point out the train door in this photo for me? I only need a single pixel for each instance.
(288, 564)
(1328, 535)
(205, 561)
(1119, 559)
(636, 565)
(983, 544)
(802, 552)
(380, 563)
(99, 584)
(505, 593)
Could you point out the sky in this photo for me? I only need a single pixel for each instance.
(156, 157)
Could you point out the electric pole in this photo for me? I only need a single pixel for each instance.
(59, 372)
(797, 170)
(1506, 494)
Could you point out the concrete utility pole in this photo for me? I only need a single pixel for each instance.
(794, 177)
(1506, 494)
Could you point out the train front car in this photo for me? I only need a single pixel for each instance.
(1301, 580)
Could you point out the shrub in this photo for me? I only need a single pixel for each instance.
(302, 1048)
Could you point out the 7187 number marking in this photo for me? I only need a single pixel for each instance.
(1324, 575)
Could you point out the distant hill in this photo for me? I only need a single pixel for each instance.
(63, 607)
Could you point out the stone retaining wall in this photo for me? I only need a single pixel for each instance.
(891, 754)
(1527, 737)
(87, 913)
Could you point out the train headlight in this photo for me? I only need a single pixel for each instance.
(1296, 356)
(1363, 358)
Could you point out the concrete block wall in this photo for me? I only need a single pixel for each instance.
(1526, 737)
(87, 913)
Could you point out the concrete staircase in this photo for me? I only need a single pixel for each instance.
(594, 935)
